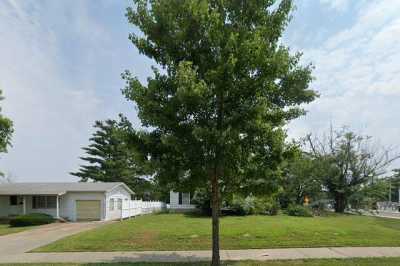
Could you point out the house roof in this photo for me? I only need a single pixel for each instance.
(57, 188)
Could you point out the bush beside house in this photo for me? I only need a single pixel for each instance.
(239, 205)
(254, 205)
(31, 219)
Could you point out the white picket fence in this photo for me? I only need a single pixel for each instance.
(388, 206)
(139, 207)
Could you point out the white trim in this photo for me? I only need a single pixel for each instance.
(24, 204)
(123, 185)
(58, 207)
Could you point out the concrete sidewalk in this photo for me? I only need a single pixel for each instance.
(192, 256)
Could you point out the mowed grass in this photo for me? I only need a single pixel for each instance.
(319, 262)
(184, 232)
(5, 229)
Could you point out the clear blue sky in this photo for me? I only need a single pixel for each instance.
(60, 66)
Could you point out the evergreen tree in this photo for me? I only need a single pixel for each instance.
(111, 158)
(215, 113)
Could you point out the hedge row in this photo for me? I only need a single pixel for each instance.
(31, 219)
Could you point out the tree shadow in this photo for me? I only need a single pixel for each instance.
(391, 223)
(166, 258)
(196, 215)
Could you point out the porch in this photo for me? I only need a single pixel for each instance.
(180, 202)
(13, 205)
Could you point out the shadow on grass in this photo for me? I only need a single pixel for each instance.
(196, 215)
(164, 259)
(388, 222)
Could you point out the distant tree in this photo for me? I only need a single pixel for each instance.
(7, 178)
(382, 189)
(227, 88)
(301, 179)
(350, 162)
(369, 194)
(111, 158)
(6, 131)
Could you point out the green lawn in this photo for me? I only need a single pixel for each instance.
(5, 229)
(323, 262)
(183, 232)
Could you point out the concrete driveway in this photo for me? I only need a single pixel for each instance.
(19, 243)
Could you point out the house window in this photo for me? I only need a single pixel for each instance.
(51, 202)
(185, 198)
(111, 204)
(13, 200)
(119, 204)
(44, 202)
(180, 198)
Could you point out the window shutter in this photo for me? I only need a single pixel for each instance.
(34, 203)
(13, 200)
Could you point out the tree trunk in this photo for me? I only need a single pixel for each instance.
(218, 171)
(215, 221)
(340, 202)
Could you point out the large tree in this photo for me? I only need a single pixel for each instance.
(301, 179)
(225, 87)
(350, 162)
(6, 130)
(111, 158)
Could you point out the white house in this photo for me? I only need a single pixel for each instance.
(69, 201)
(180, 202)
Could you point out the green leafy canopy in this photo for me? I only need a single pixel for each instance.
(225, 89)
(6, 131)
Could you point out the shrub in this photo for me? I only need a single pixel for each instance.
(242, 206)
(31, 219)
(202, 201)
(268, 206)
(319, 207)
(238, 205)
(272, 207)
(298, 210)
(254, 205)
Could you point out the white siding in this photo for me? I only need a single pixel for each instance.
(6, 209)
(4, 202)
(184, 206)
(119, 193)
(29, 209)
(173, 198)
(68, 203)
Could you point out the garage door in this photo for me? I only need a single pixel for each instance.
(88, 210)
